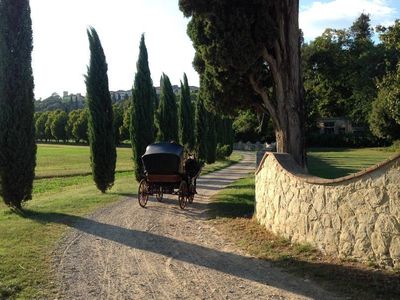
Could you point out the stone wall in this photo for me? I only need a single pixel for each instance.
(356, 216)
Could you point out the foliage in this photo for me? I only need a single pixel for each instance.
(100, 122)
(211, 138)
(124, 128)
(80, 127)
(17, 128)
(249, 127)
(58, 125)
(72, 119)
(381, 121)
(185, 115)
(200, 129)
(40, 125)
(166, 117)
(343, 140)
(340, 68)
(118, 115)
(55, 102)
(142, 111)
(223, 151)
(247, 55)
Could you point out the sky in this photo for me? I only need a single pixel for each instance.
(61, 51)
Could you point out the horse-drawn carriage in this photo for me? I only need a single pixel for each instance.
(167, 172)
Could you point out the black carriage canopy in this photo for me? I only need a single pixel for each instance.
(163, 159)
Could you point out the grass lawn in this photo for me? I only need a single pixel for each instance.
(27, 241)
(338, 162)
(64, 160)
(350, 279)
(221, 164)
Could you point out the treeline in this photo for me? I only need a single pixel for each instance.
(203, 130)
(346, 74)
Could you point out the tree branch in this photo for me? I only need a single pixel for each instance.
(266, 100)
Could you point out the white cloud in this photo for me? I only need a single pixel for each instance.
(318, 16)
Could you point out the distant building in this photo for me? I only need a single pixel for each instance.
(75, 101)
(120, 95)
(177, 89)
(338, 126)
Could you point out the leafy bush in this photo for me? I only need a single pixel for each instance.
(223, 151)
(395, 147)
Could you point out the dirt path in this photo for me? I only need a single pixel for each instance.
(163, 252)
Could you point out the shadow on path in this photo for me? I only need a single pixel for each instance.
(236, 265)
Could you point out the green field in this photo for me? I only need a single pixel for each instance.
(338, 162)
(64, 160)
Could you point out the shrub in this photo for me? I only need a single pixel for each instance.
(223, 151)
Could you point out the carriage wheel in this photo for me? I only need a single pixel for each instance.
(191, 193)
(182, 196)
(143, 194)
(159, 194)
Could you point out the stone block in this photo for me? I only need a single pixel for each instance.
(376, 196)
(319, 202)
(387, 224)
(326, 221)
(331, 241)
(379, 245)
(394, 251)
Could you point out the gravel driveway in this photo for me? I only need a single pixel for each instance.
(162, 252)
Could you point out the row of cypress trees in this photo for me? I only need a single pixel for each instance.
(199, 130)
(17, 130)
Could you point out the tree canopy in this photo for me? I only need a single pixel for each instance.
(247, 55)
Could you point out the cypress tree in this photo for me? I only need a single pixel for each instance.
(142, 110)
(211, 138)
(167, 122)
(103, 154)
(186, 120)
(17, 129)
(200, 132)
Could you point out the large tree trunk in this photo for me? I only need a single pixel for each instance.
(283, 59)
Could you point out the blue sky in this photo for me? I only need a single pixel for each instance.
(61, 51)
(315, 16)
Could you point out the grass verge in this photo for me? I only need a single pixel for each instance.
(221, 164)
(27, 240)
(347, 278)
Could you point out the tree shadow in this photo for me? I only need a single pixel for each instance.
(321, 168)
(243, 267)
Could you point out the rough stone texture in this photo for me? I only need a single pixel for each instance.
(357, 216)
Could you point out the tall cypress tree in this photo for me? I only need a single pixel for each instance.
(167, 122)
(186, 120)
(142, 112)
(103, 154)
(211, 139)
(17, 129)
(200, 129)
